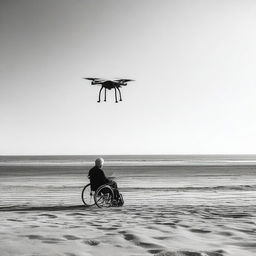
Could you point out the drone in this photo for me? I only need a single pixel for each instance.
(109, 84)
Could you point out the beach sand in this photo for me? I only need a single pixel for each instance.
(168, 211)
(129, 230)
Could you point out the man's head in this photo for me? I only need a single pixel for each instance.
(99, 162)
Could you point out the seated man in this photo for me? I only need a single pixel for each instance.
(97, 178)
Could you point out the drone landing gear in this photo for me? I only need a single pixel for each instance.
(119, 94)
(105, 94)
(115, 95)
(100, 93)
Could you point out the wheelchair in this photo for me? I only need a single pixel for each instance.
(104, 196)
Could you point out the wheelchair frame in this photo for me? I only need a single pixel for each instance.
(102, 197)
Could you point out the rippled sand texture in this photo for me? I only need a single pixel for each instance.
(140, 230)
(168, 211)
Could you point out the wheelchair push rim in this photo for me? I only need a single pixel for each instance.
(104, 196)
(87, 196)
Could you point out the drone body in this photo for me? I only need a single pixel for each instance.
(109, 84)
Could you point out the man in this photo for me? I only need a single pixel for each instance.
(97, 177)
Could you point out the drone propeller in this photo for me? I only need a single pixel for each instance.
(123, 80)
(95, 80)
(91, 78)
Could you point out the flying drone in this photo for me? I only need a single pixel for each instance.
(109, 84)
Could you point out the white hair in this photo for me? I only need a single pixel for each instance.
(99, 162)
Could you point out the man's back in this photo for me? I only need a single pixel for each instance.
(97, 178)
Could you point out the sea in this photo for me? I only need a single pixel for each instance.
(28, 181)
(215, 189)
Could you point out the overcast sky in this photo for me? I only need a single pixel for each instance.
(193, 62)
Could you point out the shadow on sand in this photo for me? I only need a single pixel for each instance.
(43, 208)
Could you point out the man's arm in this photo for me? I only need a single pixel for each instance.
(104, 176)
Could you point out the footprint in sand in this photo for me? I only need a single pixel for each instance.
(91, 242)
(35, 237)
(70, 237)
(161, 237)
(148, 245)
(15, 220)
(75, 214)
(136, 241)
(110, 234)
(155, 251)
(110, 228)
(199, 230)
(95, 225)
(34, 226)
(45, 239)
(52, 240)
(225, 233)
(184, 226)
(51, 216)
(190, 253)
(179, 253)
(171, 224)
(129, 237)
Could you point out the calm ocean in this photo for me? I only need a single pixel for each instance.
(28, 181)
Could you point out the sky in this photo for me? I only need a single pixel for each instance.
(193, 63)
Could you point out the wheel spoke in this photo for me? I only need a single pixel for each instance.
(98, 199)
(103, 196)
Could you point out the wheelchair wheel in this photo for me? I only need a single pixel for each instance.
(103, 196)
(87, 196)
